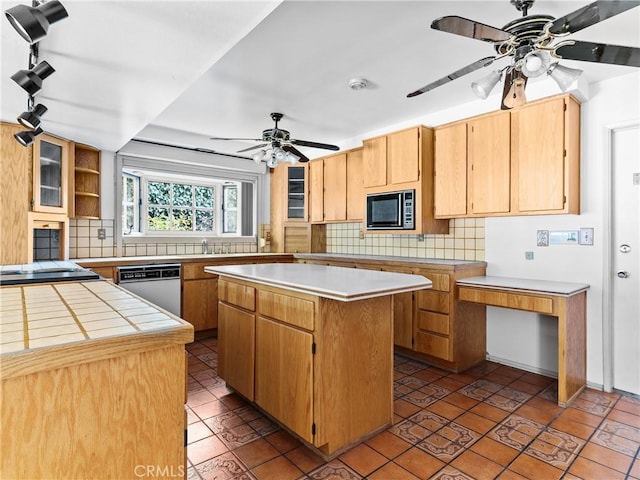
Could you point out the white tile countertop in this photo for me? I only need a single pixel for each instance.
(524, 285)
(54, 315)
(337, 283)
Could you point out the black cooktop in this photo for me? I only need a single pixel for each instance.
(46, 275)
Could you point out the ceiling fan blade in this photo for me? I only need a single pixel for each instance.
(304, 143)
(471, 29)
(483, 62)
(239, 139)
(590, 15)
(252, 148)
(295, 151)
(601, 53)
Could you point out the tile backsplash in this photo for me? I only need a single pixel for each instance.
(465, 241)
(84, 243)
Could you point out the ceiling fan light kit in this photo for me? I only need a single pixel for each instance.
(32, 23)
(531, 41)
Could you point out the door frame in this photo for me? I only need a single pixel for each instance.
(607, 240)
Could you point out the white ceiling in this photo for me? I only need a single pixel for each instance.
(179, 71)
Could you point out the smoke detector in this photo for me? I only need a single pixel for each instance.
(358, 83)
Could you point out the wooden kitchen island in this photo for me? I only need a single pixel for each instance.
(312, 346)
(93, 384)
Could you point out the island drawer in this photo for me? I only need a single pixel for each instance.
(295, 311)
(433, 301)
(237, 294)
(531, 303)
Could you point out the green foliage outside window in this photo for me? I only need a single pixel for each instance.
(180, 207)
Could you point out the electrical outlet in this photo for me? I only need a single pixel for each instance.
(421, 237)
(361, 235)
(528, 255)
(102, 234)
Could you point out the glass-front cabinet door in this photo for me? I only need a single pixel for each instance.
(296, 194)
(50, 175)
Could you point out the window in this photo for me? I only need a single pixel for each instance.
(154, 205)
(130, 203)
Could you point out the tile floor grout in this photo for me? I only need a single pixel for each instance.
(518, 432)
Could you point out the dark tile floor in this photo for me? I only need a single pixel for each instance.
(489, 422)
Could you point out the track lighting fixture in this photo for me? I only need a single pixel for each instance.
(26, 138)
(31, 118)
(563, 76)
(31, 80)
(32, 23)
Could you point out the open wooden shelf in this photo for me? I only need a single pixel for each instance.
(86, 192)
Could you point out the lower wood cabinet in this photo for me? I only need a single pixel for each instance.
(321, 367)
(199, 300)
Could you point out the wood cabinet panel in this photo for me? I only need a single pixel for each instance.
(316, 191)
(403, 156)
(335, 191)
(284, 373)
(243, 296)
(489, 163)
(236, 348)
(450, 182)
(403, 319)
(356, 198)
(14, 196)
(440, 281)
(199, 304)
(538, 151)
(286, 308)
(51, 174)
(521, 302)
(375, 162)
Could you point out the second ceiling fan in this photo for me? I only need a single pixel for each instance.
(533, 41)
(277, 146)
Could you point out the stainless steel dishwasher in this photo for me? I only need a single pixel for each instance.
(159, 284)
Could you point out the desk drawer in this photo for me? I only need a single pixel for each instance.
(434, 345)
(518, 301)
(295, 311)
(434, 322)
(433, 301)
(236, 294)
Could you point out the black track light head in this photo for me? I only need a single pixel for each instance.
(31, 80)
(32, 23)
(25, 138)
(32, 118)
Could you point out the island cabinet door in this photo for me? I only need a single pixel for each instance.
(284, 375)
(236, 340)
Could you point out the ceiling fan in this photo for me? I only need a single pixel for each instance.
(534, 41)
(278, 146)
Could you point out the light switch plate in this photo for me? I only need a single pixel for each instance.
(586, 236)
(542, 238)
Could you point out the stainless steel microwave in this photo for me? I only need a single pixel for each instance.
(391, 210)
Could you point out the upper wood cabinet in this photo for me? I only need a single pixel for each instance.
(545, 156)
(51, 175)
(289, 200)
(520, 162)
(336, 192)
(392, 159)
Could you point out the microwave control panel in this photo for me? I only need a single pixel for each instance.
(408, 220)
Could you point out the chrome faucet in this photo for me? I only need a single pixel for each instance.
(205, 246)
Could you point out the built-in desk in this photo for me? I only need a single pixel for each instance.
(567, 301)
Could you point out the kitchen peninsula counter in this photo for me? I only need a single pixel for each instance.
(312, 346)
(87, 369)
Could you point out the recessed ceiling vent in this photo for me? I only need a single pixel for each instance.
(358, 83)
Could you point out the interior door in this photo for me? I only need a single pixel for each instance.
(626, 259)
